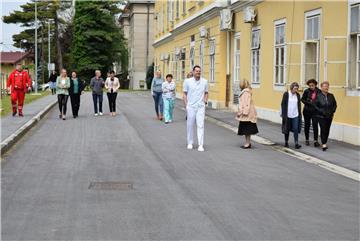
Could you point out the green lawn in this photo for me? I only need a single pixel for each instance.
(5, 103)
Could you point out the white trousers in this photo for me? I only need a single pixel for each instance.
(195, 115)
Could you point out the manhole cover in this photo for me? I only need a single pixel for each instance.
(122, 186)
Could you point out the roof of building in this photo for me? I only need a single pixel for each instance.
(13, 57)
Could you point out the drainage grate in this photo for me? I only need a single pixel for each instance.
(121, 186)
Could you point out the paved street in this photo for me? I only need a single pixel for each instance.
(224, 193)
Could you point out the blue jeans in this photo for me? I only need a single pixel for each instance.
(294, 127)
(97, 97)
(168, 109)
(158, 102)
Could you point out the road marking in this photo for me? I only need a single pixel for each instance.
(299, 155)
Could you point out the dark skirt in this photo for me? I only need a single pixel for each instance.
(247, 128)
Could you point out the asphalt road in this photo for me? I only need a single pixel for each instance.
(224, 193)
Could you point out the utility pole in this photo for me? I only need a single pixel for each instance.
(36, 50)
(49, 49)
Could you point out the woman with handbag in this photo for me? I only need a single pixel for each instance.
(291, 114)
(247, 114)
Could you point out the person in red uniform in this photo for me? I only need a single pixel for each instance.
(18, 84)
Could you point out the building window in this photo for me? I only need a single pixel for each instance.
(192, 51)
(212, 61)
(354, 47)
(183, 68)
(255, 55)
(177, 9)
(184, 7)
(237, 58)
(311, 45)
(280, 52)
(201, 53)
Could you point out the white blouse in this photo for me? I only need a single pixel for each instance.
(292, 106)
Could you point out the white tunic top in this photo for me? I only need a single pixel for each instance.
(195, 90)
(168, 89)
(292, 106)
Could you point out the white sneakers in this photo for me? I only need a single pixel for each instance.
(96, 114)
(200, 148)
(100, 113)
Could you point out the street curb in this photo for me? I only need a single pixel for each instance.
(299, 155)
(16, 136)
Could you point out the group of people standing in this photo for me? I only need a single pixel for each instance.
(319, 108)
(74, 87)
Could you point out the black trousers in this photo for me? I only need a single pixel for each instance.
(62, 101)
(75, 104)
(325, 124)
(112, 101)
(311, 119)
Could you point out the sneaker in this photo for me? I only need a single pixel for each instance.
(316, 144)
(101, 113)
(21, 114)
(170, 121)
(96, 114)
(166, 122)
(297, 146)
(190, 147)
(307, 142)
(201, 148)
(14, 113)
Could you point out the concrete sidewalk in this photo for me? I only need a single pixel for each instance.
(339, 153)
(12, 128)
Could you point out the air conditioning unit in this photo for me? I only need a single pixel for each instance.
(249, 15)
(226, 20)
(203, 32)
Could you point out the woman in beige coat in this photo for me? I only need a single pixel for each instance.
(246, 114)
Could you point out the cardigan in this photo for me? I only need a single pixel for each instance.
(62, 90)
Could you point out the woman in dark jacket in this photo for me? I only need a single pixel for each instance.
(309, 98)
(291, 114)
(76, 87)
(325, 106)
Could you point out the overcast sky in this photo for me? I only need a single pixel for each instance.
(7, 30)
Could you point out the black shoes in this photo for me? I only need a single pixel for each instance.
(307, 142)
(297, 146)
(14, 113)
(316, 144)
(286, 144)
(246, 147)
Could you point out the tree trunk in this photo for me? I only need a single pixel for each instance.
(59, 58)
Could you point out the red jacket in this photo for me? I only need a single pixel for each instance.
(20, 79)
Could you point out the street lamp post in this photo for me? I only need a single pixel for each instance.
(49, 49)
(36, 50)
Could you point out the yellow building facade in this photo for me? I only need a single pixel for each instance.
(270, 43)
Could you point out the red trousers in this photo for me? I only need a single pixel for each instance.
(17, 100)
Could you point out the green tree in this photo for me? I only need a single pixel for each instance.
(49, 10)
(97, 41)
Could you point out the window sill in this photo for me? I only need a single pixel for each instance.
(255, 85)
(279, 87)
(353, 92)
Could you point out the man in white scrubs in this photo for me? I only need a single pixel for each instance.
(195, 98)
